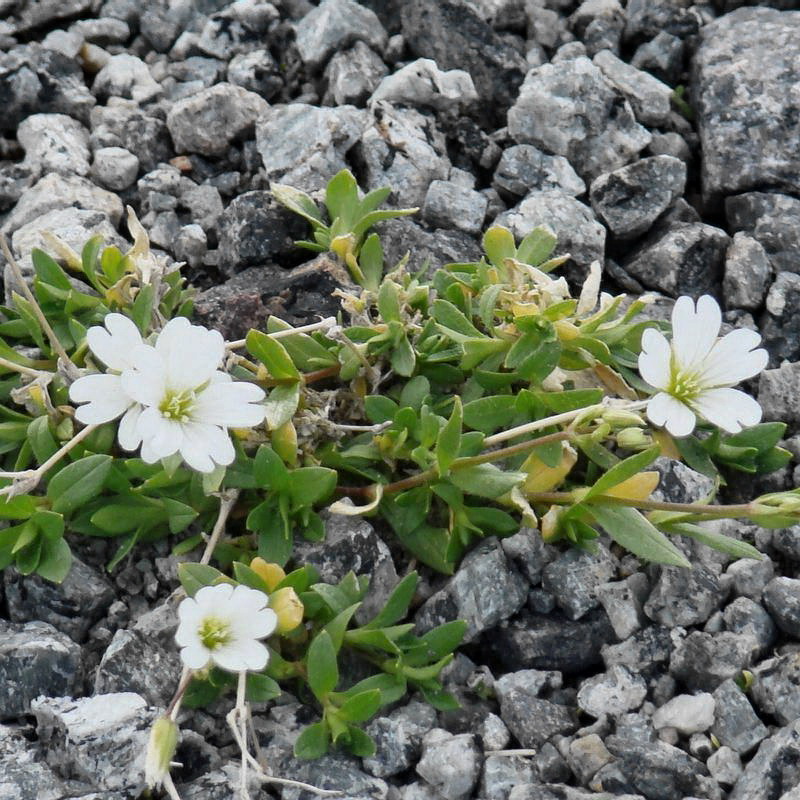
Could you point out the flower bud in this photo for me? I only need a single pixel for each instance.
(271, 574)
(633, 439)
(621, 418)
(160, 750)
(288, 608)
(284, 443)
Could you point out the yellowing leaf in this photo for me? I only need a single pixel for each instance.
(638, 487)
(542, 478)
(566, 330)
(667, 445)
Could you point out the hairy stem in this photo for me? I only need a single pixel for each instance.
(226, 504)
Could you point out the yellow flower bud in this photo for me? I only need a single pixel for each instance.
(286, 604)
(271, 574)
(160, 750)
(284, 442)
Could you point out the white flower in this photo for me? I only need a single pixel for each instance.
(103, 394)
(186, 403)
(222, 625)
(694, 374)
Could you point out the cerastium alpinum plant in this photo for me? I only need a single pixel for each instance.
(446, 406)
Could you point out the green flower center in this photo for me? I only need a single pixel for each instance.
(684, 386)
(214, 632)
(177, 404)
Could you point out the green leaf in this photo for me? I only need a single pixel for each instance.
(323, 671)
(305, 351)
(476, 351)
(297, 201)
(450, 317)
(310, 485)
(725, 544)
(338, 625)
(341, 197)
(269, 470)
(444, 639)
(486, 480)
(499, 244)
(272, 354)
(112, 263)
(403, 359)
(379, 408)
(249, 577)
(125, 546)
(274, 536)
(696, 456)
(389, 302)
(79, 482)
(430, 545)
(396, 606)
(637, 534)
(27, 315)
(570, 400)
(624, 470)
(360, 707)
(19, 507)
(360, 742)
(370, 259)
(261, 688)
(281, 405)
(89, 259)
(448, 442)
(763, 437)
(194, 577)
(48, 270)
(487, 414)
(142, 308)
(415, 392)
(55, 560)
(312, 742)
(41, 438)
(537, 246)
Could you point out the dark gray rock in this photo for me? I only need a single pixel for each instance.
(612, 693)
(551, 766)
(502, 773)
(114, 168)
(776, 687)
(125, 75)
(778, 390)
(661, 56)
(670, 144)
(484, 591)
(303, 145)
(678, 483)
(449, 205)
(255, 229)
(450, 763)
(455, 37)
(623, 602)
(774, 770)
(684, 258)
(647, 18)
(782, 600)
(72, 606)
(35, 80)
(524, 168)
(573, 579)
(403, 149)
(630, 199)
(353, 75)
(422, 83)
(204, 204)
(552, 641)
(704, 660)
(529, 553)
(209, 121)
(531, 719)
(750, 576)
(747, 273)
(578, 232)
(190, 245)
(35, 660)
(745, 113)
(22, 774)
(334, 25)
(99, 740)
(658, 770)
(398, 739)
(14, 180)
(648, 96)
(644, 653)
(570, 109)
(746, 616)
(599, 25)
(683, 597)
(257, 71)
(787, 542)
(135, 662)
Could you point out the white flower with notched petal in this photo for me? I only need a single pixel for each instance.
(222, 624)
(103, 394)
(694, 374)
(185, 403)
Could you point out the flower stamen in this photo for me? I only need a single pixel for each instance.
(214, 632)
(177, 405)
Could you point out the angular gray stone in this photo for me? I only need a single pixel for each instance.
(683, 597)
(257, 71)
(770, 219)
(661, 56)
(209, 121)
(494, 733)
(524, 168)
(398, 738)
(55, 191)
(570, 109)
(778, 390)
(54, 143)
(448, 205)
(450, 763)
(587, 755)
(646, 18)
(115, 168)
(403, 149)
(782, 600)
(72, 606)
(774, 770)
(787, 542)
(99, 740)
(746, 616)
(736, 724)
(623, 602)
(422, 83)
(353, 75)
(126, 76)
(334, 25)
(529, 553)
(744, 71)
(776, 687)
(612, 693)
(484, 591)
(686, 713)
(578, 232)
(643, 653)
(747, 273)
(725, 766)
(704, 660)
(22, 774)
(648, 96)
(630, 199)
(102, 31)
(573, 579)
(685, 258)
(502, 773)
(303, 145)
(599, 24)
(35, 660)
(750, 576)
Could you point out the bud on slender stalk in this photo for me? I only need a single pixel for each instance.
(288, 608)
(160, 750)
